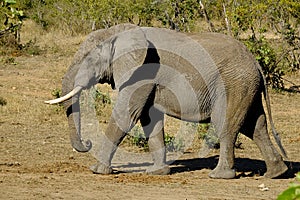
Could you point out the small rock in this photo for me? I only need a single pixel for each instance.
(262, 187)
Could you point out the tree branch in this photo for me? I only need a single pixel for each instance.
(210, 24)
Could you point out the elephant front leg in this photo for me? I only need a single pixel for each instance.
(152, 121)
(109, 143)
(131, 102)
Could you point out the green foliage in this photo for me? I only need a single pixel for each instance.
(11, 19)
(266, 57)
(279, 19)
(202, 130)
(207, 133)
(138, 138)
(56, 93)
(291, 51)
(10, 16)
(293, 192)
(8, 60)
(103, 103)
(102, 98)
(180, 15)
(173, 144)
(76, 16)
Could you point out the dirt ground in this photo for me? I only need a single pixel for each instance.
(37, 161)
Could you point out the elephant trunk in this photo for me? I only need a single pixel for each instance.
(73, 114)
(72, 108)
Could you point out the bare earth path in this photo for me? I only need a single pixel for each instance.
(37, 161)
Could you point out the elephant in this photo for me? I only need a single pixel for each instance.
(192, 77)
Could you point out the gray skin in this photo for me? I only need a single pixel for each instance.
(201, 77)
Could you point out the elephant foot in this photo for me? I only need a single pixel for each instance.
(276, 170)
(224, 173)
(158, 170)
(100, 168)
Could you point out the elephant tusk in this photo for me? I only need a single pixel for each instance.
(75, 91)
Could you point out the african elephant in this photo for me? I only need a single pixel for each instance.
(195, 77)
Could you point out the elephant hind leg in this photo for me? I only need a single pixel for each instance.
(152, 121)
(227, 131)
(227, 120)
(255, 127)
(224, 168)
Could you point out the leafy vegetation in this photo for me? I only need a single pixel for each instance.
(269, 28)
(11, 18)
(207, 133)
(266, 57)
(293, 192)
(173, 143)
(11, 21)
(137, 138)
(103, 103)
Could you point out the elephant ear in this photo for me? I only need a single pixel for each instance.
(92, 40)
(97, 37)
(125, 50)
(129, 50)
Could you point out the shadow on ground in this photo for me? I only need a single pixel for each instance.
(245, 167)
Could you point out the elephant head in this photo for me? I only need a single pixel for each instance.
(94, 63)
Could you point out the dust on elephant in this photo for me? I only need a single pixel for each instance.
(196, 77)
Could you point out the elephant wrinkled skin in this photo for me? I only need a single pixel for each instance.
(195, 77)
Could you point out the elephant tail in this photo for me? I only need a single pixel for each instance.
(268, 104)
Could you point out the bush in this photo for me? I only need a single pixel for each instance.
(207, 133)
(293, 192)
(11, 19)
(173, 144)
(103, 103)
(137, 138)
(266, 57)
(238, 18)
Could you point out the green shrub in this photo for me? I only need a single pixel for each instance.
(266, 57)
(293, 192)
(137, 138)
(102, 98)
(56, 93)
(103, 104)
(173, 144)
(11, 19)
(278, 18)
(207, 133)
